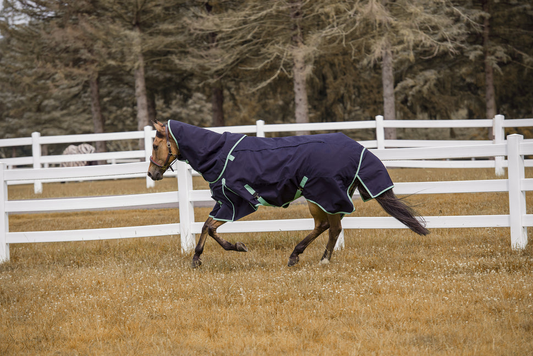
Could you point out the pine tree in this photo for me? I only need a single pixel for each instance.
(124, 25)
(32, 101)
(264, 41)
(489, 73)
(217, 91)
(503, 24)
(138, 33)
(59, 51)
(444, 86)
(395, 32)
(252, 58)
(203, 56)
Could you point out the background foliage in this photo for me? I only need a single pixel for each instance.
(85, 66)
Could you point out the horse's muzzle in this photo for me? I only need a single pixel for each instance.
(157, 175)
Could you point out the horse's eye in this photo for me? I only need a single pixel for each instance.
(155, 148)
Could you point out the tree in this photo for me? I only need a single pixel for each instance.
(396, 32)
(490, 97)
(77, 54)
(217, 91)
(201, 53)
(503, 23)
(124, 24)
(56, 48)
(444, 86)
(258, 60)
(266, 40)
(30, 101)
(138, 33)
(300, 69)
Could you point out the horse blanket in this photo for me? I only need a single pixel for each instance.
(245, 172)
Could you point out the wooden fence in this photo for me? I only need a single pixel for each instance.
(37, 160)
(515, 148)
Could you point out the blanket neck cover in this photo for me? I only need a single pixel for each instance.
(245, 172)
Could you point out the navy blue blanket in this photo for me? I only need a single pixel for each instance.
(245, 172)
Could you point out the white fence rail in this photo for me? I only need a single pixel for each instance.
(37, 160)
(516, 185)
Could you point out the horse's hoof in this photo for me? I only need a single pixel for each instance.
(196, 263)
(293, 261)
(324, 261)
(239, 246)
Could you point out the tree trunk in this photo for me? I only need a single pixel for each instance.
(98, 119)
(152, 110)
(217, 92)
(299, 70)
(490, 96)
(300, 88)
(143, 118)
(387, 76)
(217, 103)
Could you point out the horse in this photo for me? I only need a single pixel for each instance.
(245, 172)
(84, 148)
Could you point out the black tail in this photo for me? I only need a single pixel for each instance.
(399, 210)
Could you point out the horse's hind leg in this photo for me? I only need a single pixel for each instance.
(321, 225)
(335, 229)
(210, 228)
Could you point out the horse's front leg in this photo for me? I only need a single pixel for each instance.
(210, 228)
(196, 262)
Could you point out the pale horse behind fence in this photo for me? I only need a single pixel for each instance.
(84, 148)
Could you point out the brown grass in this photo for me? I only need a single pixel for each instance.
(389, 292)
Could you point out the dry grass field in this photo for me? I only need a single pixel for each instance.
(389, 292)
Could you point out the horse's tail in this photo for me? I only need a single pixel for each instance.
(401, 211)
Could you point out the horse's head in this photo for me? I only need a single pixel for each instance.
(164, 153)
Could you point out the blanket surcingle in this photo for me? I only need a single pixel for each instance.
(245, 172)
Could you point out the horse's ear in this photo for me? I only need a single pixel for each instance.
(157, 125)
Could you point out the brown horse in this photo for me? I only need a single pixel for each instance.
(166, 151)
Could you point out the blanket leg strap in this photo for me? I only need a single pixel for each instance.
(265, 203)
(298, 192)
(301, 188)
(256, 196)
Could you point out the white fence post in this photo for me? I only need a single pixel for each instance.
(517, 197)
(260, 128)
(184, 176)
(4, 223)
(380, 132)
(499, 136)
(147, 153)
(36, 153)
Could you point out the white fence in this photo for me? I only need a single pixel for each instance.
(37, 160)
(514, 148)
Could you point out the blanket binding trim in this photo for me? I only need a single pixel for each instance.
(229, 157)
(172, 134)
(363, 183)
(348, 191)
(232, 205)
